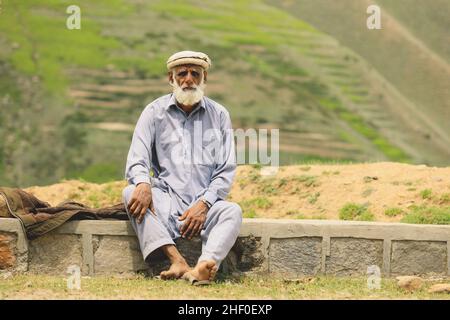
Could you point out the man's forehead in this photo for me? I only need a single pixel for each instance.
(186, 67)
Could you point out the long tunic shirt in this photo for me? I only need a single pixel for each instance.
(189, 155)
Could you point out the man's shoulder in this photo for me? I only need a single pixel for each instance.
(159, 103)
(215, 106)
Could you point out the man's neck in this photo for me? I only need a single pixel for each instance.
(187, 109)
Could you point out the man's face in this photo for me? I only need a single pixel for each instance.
(188, 84)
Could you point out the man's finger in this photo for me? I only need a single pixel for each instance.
(137, 209)
(194, 230)
(132, 200)
(134, 206)
(185, 227)
(141, 217)
(191, 230)
(199, 230)
(143, 211)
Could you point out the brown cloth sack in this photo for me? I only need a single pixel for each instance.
(38, 217)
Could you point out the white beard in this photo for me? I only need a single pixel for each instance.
(188, 97)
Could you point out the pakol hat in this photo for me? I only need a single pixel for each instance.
(189, 57)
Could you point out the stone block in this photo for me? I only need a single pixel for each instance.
(117, 254)
(352, 256)
(54, 253)
(295, 256)
(418, 257)
(8, 244)
(246, 255)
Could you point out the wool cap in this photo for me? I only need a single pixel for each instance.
(189, 57)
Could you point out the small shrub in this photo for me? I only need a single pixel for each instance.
(267, 187)
(282, 182)
(250, 214)
(261, 203)
(249, 206)
(357, 212)
(257, 166)
(393, 212)
(307, 180)
(426, 194)
(313, 199)
(444, 198)
(428, 215)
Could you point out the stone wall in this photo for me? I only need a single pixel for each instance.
(288, 248)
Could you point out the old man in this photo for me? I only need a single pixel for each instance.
(180, 168)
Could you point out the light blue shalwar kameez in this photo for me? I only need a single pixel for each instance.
(191, 156)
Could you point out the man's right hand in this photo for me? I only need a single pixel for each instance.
(140, 201)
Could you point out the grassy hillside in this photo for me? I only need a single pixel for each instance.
(73, 96)
(410, 53)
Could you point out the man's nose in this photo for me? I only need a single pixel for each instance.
(189, 79)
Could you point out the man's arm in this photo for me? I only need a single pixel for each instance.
(138, 165)
(223, 175)
(139, 156)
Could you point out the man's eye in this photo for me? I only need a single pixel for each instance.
(182, 74)
(195, 74)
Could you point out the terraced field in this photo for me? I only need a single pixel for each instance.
(82, 91)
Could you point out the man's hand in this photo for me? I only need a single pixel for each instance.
(194, 220)
(140, 201)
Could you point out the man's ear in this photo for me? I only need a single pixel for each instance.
(170, 75)
(205, 76)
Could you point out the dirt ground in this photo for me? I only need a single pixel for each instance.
(313, 191)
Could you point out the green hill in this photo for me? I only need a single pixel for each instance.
(73, 96)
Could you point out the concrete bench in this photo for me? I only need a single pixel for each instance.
(279, 247)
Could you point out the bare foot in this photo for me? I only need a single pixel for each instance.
(176, 271)
(204, 270)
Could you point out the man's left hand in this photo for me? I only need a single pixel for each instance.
(194, 220)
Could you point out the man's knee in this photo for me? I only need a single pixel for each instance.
(233, 210)
(127, 193)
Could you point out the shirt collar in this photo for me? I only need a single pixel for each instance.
(173, 102)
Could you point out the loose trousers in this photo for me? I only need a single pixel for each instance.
(219, 233)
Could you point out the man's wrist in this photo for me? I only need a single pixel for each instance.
(210, 196)
(206, 202)
(144, 183)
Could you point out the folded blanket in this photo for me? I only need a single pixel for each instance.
(38, 217)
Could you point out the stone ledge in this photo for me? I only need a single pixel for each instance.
(13, 246)
(284, 247)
